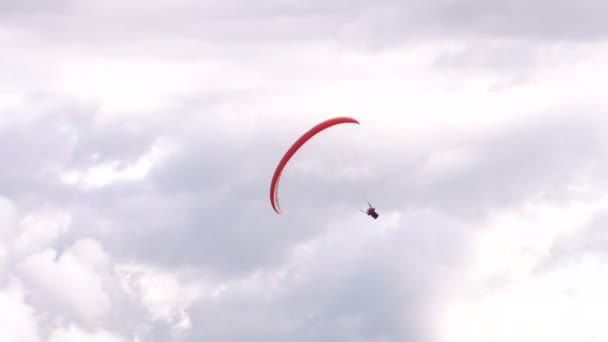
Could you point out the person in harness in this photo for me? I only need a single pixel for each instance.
(371, 211)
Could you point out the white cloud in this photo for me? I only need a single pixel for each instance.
(517, 240)
(163, 294)
(124, 87)
(445, 164)
(9, 218)
(509, 297)
(39, 230)
(107, 173)
(263, 74)
(75, 334)
(9, 221)
(565, 304)
(17, 319)
(72, 281)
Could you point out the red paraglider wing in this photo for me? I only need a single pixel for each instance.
(274, 185)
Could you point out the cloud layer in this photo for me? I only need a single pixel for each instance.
(140, 138)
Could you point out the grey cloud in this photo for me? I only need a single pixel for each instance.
(494, 56)
(191, 26)
(590, 240)
(61, 137)
(12, 7)
(207, 205)
(524, 159)
(185, 215)
(379, 295)
(191, 195)
(562, 20)
(190, 213)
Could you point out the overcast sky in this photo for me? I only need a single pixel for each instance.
(139, 139)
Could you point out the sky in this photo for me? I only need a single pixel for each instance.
(139, 139)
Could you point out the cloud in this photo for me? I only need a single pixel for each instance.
(163, 294)
(17, 318)
(188, 26)
(568, 297)
(9, 217)
(111, 171)
(38, 231)
(139, 150)
(73, 334)
(58, 280)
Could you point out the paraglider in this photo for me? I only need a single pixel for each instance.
(371, 211)
(274, 184)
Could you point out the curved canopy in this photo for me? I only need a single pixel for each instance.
(274, 185)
